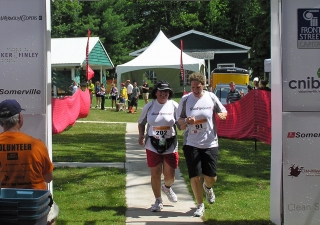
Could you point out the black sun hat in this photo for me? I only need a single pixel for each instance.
(163, 85)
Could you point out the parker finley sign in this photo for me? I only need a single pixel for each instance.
(23, 53)
(309, 28)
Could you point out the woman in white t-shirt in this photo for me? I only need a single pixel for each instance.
(160, 141)
(200, 147)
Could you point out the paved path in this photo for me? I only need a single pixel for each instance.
(139, 194)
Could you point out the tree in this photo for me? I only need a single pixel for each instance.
(64, 18)
(127, 25)
(260, 47)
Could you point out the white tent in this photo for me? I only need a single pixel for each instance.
(163, 57)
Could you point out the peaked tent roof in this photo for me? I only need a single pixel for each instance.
(72, 52)
(160, 54)
(204, 43)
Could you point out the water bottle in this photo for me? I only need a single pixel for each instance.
(162, 141)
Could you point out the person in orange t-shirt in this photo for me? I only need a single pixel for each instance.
(24, 160)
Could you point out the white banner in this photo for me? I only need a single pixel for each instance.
(23, 53)
(301, 168)
(300, 55)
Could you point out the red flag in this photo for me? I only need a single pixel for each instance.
(90, 73)
(181, 67)
(87, 57)
(181, 63)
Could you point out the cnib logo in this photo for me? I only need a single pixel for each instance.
(291, 134)
(295, 170)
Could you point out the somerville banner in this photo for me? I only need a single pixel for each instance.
(301, 168)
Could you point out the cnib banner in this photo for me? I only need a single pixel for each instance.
(301, 61)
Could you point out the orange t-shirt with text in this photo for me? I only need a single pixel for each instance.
(23, 161)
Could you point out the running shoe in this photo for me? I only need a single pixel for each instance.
(199, 211)
(170, 194)
(210, 196)
(157, 206)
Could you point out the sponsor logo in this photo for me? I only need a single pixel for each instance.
(20, 18)
(295, 171)
(160, 113)
(12, 55)
(308, 28)
(291, 134)
(302, 135)
(309, 85)
(200, 108)
(19, 92)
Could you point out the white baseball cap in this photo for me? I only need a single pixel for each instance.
(256, 79)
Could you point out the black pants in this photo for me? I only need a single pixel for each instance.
(102, 101)
(129, 99)
(134, 102)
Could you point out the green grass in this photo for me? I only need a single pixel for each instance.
(243, 186)
(90, 142)
(97, 195)
(90, 196)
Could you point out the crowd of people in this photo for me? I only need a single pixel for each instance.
(235, 95)
(127, 97)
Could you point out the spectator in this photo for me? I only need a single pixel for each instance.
(74, 87)
(121, 104)
(98, 96)
(263, 85)
(145, 91)
(134, 98)
(256, 83)
(249, 88)
(113, 93)
(233, 95)
(160, 141)
(91, 91)
(124, 93)
(196, 114)
(129, 89)
(29, 166)
(102, 96)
